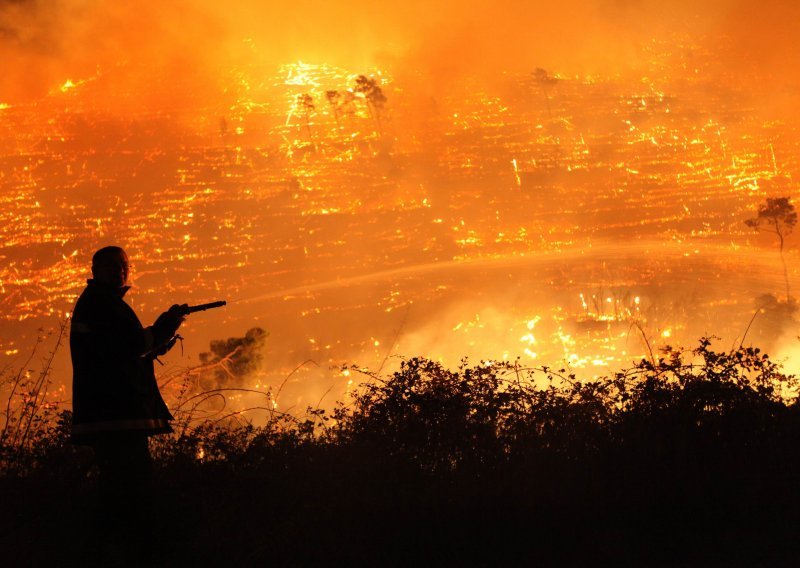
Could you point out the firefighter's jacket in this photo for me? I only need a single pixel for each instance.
(114, 387)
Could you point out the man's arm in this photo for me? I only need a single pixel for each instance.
(114, 332)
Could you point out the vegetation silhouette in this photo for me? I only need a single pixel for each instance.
(375, 99)
(342, 103)
(304, 106)
(230, 361)
(688, 458)
(776, 215)
(542, 78)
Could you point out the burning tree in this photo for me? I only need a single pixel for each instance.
(341, 103)
(305, 106)
(333, 98)
(374, 96)
(545, 81)
(777, 216)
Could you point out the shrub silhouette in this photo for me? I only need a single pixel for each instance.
(494, 413)
(688, 458)
(231, 360)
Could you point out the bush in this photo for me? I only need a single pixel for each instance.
(677, 458)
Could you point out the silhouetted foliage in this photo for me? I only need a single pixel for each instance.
(29, 421)
(542, 77)
(342, 103)
(492, 414)
(374, 96)
(545, 81)
(305, 106)
(234, 359)
(689, 458)
(776, 215)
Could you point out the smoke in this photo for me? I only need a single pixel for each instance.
(42, 43)
(163, 55)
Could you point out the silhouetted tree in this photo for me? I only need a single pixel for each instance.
(776, 215)
(374, 96)
(333, 98)
(545, 81)
(491, 461)
(305, 106)
(232, 360)
(341, 103)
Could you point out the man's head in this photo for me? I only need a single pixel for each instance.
(110, 266)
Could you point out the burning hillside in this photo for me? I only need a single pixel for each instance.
(565, 215)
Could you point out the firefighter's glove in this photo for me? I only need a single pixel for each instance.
(167, 346)
(167, 324)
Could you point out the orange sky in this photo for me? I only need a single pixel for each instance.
(43, 42)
